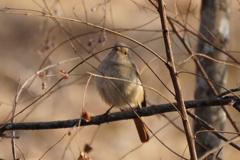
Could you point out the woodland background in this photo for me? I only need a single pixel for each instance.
(25, 41)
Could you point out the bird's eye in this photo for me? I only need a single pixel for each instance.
(126, 51)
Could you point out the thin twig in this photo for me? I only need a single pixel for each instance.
(52, 147)
(218, 148)
(209, 127)
(42, 14)
(203, 72)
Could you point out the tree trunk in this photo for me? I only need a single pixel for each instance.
(214, 26)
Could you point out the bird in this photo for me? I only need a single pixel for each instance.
(124, 90)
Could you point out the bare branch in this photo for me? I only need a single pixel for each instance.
(175, 80)
(117, 116)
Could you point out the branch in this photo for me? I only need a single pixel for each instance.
(124, 115)
(175, 80)
(211, 129)
(117, 116)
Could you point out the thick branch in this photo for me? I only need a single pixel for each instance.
(146, 111)
(123, 115)
(213, 13)
(175, 80)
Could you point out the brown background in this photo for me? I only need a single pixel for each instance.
(22, 39)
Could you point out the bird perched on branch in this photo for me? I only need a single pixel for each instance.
(120, 84)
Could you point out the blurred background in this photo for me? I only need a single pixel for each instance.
(29, 43)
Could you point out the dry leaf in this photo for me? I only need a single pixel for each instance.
(64, 74)
(42, 74)
(84, 156)
(86, 116)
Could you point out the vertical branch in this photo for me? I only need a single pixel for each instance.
(214, 26)
(175, 80)
(13, 120)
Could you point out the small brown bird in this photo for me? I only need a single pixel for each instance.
(119, 93)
